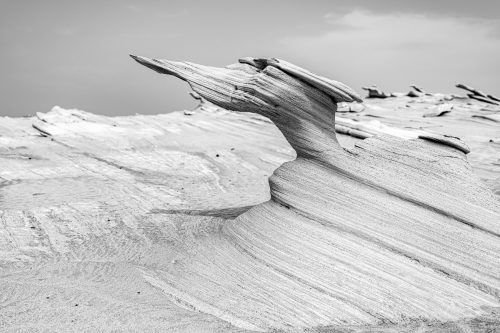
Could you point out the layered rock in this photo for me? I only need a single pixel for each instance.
(479, 95)
(169, 222)
(390, 230)
(375, 92)
(439, 110)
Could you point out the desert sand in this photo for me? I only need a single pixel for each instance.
(279, 215)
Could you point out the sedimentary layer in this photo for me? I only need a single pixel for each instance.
(406, 219)
(169, 222)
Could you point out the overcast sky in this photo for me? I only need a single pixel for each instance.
(75, 53)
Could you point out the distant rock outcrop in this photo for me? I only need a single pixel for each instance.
(375, 92)
(439, 110)
(479, 95)
(418, 89)
(416, 92)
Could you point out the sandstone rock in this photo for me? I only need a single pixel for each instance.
(417, 89)
(494, 98)
(493, 117)
(482, 99)
(169, 222)
(375, 92)
(340, 221)
(350, 107)
(479, 95)
(472, 90)
(439, 110)
(413, 93)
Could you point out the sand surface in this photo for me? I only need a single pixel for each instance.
(145, 223)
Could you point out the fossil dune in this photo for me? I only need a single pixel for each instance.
(404, 219)
(122, 223)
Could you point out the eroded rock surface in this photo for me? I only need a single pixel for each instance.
(375, 92)
(342, 221)
(161, 222)
(479, 95)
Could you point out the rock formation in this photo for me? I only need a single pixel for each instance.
(417, 89)
(171, 222)
(439, 110)
(493, 117)
(350, 107)
(89, 202)
(416, 92)
(479, 95)
(375, 92)
(392, 230)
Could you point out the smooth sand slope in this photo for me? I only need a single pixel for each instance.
(161, 223)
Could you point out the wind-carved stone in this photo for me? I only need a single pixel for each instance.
(375, 92)
(392, 230)
(479, 95)
(301, 104)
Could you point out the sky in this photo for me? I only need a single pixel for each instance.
(75, 53)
